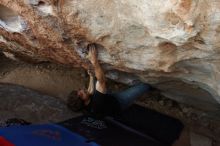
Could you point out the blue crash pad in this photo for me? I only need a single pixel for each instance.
(43, 135)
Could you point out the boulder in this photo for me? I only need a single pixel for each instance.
(31, 106)
(172, 44)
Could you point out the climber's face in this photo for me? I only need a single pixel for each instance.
(83, 94)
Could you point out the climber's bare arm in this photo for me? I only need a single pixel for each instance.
(91, 87)
(101, 80)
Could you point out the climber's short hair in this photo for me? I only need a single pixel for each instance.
(74, 102)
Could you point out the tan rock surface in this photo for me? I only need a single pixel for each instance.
(158, 41)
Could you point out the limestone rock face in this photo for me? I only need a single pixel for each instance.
(163, 42)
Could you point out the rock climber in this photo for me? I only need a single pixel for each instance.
(97, 100)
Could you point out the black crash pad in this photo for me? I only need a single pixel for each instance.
(137, 126)
(161, 127)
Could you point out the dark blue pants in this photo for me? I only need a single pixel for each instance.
(128, 96)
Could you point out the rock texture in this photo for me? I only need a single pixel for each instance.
(31, 106)
(157, 41)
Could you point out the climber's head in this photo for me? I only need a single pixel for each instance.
(77, 100)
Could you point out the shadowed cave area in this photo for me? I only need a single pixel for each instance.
(43, 88)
